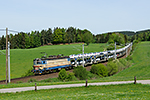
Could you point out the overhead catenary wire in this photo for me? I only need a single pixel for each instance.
(13, 31)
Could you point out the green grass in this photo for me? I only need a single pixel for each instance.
(140, 69)
(21, 60)
(141, 64)
(109, 92)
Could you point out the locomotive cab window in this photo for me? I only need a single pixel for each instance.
(39, 62)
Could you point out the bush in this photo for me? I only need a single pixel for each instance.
(62, 75)
(100, 70)
(110, 59)
(66, 76)
(112, 68)
(135, 41)
(70, 76)
(120, 65)
(129, 58)
(92, 76)
(94, 69)
(80, 72)
(111, 47)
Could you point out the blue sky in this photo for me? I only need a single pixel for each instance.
(98, 16)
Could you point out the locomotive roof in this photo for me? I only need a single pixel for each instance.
(52, 58)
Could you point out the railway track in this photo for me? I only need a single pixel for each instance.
(38, 77)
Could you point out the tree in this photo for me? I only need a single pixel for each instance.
(79, 39)
(32, 44)
(49, 35)
(27, 41)
(43, 37)
(88, 37)
(3, 42)
(111, 41)
(70, 35)
(37, 39)
(57, 37)
(125, 38)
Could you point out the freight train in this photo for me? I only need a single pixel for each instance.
(53, 63)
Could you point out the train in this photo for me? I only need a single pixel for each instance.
(53, 63)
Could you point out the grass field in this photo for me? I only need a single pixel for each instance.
(140, 68)
(141, 64)
(109, 92)
(22, 59)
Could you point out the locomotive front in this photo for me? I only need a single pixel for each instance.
(38, 65)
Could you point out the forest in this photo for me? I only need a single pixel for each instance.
(69, 35)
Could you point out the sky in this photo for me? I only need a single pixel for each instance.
(98, 16)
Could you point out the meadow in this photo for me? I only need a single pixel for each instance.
(105, 92)
(140, 64)
(21, 60)
(140, 67)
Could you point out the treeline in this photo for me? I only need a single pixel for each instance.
(142, 35)
(59, 35)
(69, 35)
(111, 38)
(47, 37)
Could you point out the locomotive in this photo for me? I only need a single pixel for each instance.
(46, 65)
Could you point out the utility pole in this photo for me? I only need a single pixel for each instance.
(8, 62)
(83, 54)
(6, 54)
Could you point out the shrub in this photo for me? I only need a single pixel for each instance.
(62, 75)
(120, 65)
(94, 69)
(92, 76)
(100, 70)
(135, 41)
(112, 68)
(129, 58)
(70, 76)
(66, 76)
(110, 59)
(111, 47)
(80, 72)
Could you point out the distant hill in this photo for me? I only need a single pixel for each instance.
(129, 33)
(143, 31)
